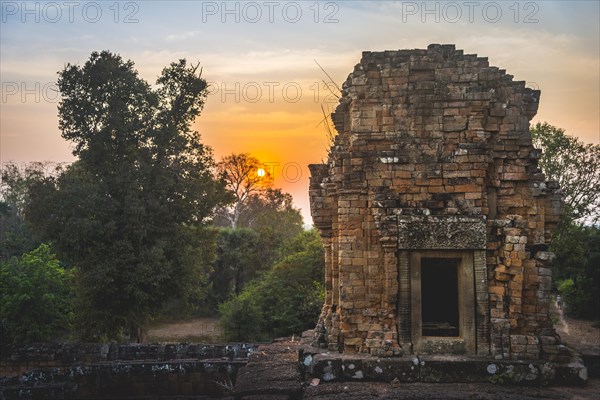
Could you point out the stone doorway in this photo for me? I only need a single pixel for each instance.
(439, 297)
(443, 302)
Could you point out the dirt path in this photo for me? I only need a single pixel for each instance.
(195, 330)
(563, 326)
(578, 334)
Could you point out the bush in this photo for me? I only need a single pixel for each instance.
(35, 300)
(577, 268)
(286, 300)
(241, 319)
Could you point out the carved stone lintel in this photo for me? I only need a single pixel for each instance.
(441, 232)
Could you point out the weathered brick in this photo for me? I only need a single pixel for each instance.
(406, 151)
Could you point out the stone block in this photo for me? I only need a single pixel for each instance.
(387, 370)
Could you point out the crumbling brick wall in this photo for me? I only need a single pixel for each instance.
(426, 136)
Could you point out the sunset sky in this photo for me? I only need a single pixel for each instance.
(259, 57)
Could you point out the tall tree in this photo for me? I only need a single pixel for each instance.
(245, 177)
(131, 214)
(257, 205)
(576, 167)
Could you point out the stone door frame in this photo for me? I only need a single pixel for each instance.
(463, 236)
(465, 342)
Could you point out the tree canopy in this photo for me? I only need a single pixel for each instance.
(268, 212)
(246, 178)
(576, 167)
(131, 214)
(268, 222)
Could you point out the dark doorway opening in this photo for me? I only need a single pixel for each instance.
(439, 296)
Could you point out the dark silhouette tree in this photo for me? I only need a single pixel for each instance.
(245, 177)
(131, 214)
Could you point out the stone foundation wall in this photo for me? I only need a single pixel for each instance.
(81, 371)
(126, 379)
(423, 134)
(16, 360)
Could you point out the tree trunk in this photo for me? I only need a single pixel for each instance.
(143, 335)
(139, 334)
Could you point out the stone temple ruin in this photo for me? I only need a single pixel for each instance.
(435, 220)
(433, 212)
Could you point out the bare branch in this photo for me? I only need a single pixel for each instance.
(330, 79)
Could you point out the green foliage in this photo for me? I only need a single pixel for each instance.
(16, 236)
(259, 220)
(267, 219)
(577, 267)
(238, 260)
(272, 215)
(241, 318)
(505, 377)
(576, 167)
(35, 297)
(131, 214)
(566, 286)
(288, 297)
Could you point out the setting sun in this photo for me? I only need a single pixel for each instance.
(260, 172)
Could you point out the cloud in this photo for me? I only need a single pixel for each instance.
(182, 36)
